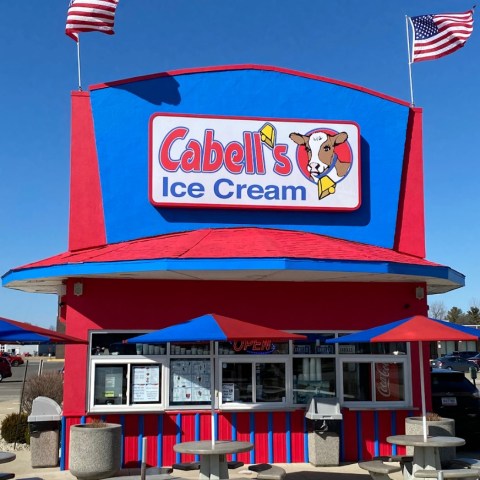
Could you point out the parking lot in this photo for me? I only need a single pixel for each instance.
(10, 388)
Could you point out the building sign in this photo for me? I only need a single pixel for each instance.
(199, 161)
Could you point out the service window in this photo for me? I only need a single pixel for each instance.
(381, 381)
(110, 385)
(255, 382)
(313, 376)
(313, 367)
(119, 384)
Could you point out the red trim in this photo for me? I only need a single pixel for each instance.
(279, 438)
(169, 438)
(225, 426)
(150, 423)
(243, 434)
(410, 232)
(350, 428)
(368, 435)
(384, 430)
(86, 226)
(130, 444)
(297, 436)
(261, 437)
(268, 68)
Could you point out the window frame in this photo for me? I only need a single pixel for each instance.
(287, 359)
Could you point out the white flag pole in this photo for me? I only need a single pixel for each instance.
(409, 62)
(78, 63)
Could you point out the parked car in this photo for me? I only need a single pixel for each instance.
(5, 369)
(475, 359)
(15, 360)
(454, 396)
(467, 354)
(453, 362)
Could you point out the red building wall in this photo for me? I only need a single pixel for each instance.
(278, 436)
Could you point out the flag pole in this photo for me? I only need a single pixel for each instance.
(78, 64)
(409, 62)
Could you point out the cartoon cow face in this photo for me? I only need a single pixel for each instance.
(320, 149)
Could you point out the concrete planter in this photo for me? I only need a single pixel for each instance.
(444, 427)
(95, 451)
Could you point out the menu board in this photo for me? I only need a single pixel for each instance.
(146, 383)
(190, 381)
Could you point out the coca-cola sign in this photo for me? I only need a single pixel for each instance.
(387, 382)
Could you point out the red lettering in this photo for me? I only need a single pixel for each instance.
(283, 164)
(212, 146)
(237, 346)
(191, 157)
(234, 157)
(259, 160)
(249, 165)
(167, 163)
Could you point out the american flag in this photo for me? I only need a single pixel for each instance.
(438, 35)
(90, 16)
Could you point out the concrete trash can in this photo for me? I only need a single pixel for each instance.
(323, 426)
(443, 427)
(44, 426)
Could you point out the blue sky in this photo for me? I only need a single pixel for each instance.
(360, 42)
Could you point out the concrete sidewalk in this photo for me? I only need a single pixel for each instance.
(22, 468)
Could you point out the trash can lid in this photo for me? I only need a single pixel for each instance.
(45, 409)
(324, 408)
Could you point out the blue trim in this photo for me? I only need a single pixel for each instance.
(359, 436)
(234, 264)
(83, 420)
(305, 441)
(342, 442)
(178, 423)
(160, 441)
(141, 425)
(234, 433)
(63, 442)
(288, 436)
(376, 434)
(122, 452)
(215, 430)
(270, 437)
(393, 426)
(197, 433)
(252, 437)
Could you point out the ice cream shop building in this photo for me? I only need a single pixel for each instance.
(266, 195)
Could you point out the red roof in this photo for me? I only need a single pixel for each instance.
(233, 243)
